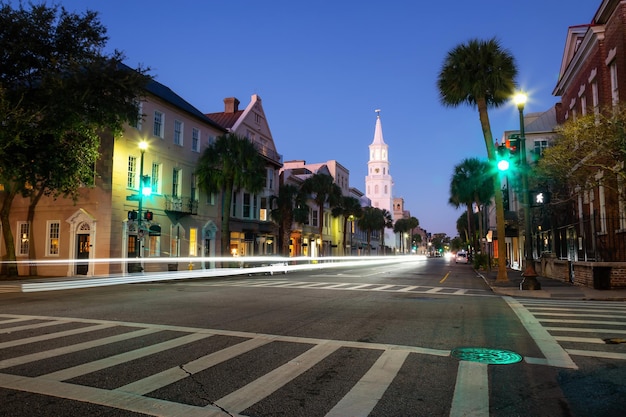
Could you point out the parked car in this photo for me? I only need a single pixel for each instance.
(461, 258)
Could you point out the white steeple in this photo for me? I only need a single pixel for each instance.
(378, 182)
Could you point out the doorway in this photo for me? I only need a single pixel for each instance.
(82, 252)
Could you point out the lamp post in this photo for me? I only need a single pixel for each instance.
(351, 218)
(143, 145)
(530, 275)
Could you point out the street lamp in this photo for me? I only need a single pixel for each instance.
(351, 218)
(143, 145)
(530, 275)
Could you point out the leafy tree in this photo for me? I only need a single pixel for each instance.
(230, 164)
(324, 190)
(288, 206)
(373, 219)
(58, 91)
(348, 206)
(481, 74)
(471, 183)
(575, 158)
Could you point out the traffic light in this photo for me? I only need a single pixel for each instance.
(503, 158)
(132, 215)
(539, 198)
(146, 186)
(148, 215)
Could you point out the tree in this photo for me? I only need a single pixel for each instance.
(58, 92)
(373, 219)
(388, 224)
(324, 191)
(349, 207)
(574, 159)
(401, 226)
(288, 206)
(230, 164)
(481, 74)
(413, 222)
(471, 183)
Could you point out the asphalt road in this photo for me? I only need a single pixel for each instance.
(385, 340)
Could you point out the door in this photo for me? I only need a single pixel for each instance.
(82, 253)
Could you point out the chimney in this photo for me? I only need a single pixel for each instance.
(231, 105)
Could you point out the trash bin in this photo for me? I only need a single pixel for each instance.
(602, 277)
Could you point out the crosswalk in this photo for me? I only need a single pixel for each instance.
(580, 328)
(165, 370)
(342, 286)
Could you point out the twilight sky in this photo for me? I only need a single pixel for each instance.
(323, 67)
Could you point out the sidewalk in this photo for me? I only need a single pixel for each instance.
(550, 288)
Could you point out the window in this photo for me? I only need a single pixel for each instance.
(193, 242)
(178, 132)
(246, 205)
(195, 139)
(52, 245)
(270, 178)
(177, 234)
(614, 85)
(540, 145)
(156, 178)
(139, 122)
(23, 238)
(234, 205)
(159, 121)
(621, 202)
(210, 199)
(263, 211)
(602, 203)
(194, 187)
(154, 242)
(132, 172)
(595, 101)
(314, 218)
(583, 105)
(176, 174)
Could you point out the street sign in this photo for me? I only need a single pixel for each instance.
(134, 197)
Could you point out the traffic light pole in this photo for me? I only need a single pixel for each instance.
(530, 275)
(140, 207)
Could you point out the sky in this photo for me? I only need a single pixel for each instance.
(323, 67)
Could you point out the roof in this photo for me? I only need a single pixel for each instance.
(226, 120)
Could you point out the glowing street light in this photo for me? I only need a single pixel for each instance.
(530, 275)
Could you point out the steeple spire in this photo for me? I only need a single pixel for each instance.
(378, 131)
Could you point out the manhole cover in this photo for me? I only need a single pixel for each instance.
(486, 355)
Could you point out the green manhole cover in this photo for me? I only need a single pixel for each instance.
(485, 355)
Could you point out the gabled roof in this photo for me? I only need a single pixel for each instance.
(541, 122)
(226, 120)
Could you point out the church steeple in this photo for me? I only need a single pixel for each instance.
(378, 182)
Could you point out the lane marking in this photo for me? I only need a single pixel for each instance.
(471, 392)
(363, 397)
(46, 354)
(553, 352)
(169, 376)
(444, 278)
(74, 371)
(260, 388)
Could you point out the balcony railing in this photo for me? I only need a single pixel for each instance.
(181, 205)
(268, 153)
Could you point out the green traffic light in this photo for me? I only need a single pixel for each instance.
(503, 165)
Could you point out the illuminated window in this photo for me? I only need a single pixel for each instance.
(52, 247)
(132, 172)
(156, 178)
(193, 242)
(23, 238)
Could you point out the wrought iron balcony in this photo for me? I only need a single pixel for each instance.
(181, 205)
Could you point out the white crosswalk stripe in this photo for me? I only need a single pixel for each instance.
(360, 400)
(580, 327)
(341, 286)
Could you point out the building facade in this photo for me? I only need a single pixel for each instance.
(252, 232)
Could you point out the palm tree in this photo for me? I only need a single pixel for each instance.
(481, 74)
(288, 206)
(413, 223)
(348, 207)
(229, 164)
(388, 224)
(471, 183)
(372, 219)
(401, 226)
(324, 190)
